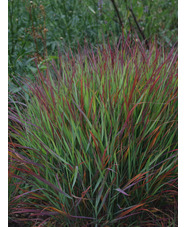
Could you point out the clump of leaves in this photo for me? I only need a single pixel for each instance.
(96, 142)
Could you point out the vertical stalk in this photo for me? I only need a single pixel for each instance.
(117, 12)
(141, 32)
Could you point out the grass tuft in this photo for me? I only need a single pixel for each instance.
(95, 144)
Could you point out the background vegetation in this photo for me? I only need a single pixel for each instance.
(37, 28)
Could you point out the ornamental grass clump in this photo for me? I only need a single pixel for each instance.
(96, 142)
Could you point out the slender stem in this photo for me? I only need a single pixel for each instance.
(141, 32)
(127, 8)
(117, 12)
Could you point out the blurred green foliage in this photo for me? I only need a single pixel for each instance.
(36, 28)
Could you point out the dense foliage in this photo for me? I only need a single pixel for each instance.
(93, 112)
(95, 142)
(37, 28)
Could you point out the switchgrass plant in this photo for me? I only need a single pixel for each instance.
(96, 142)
